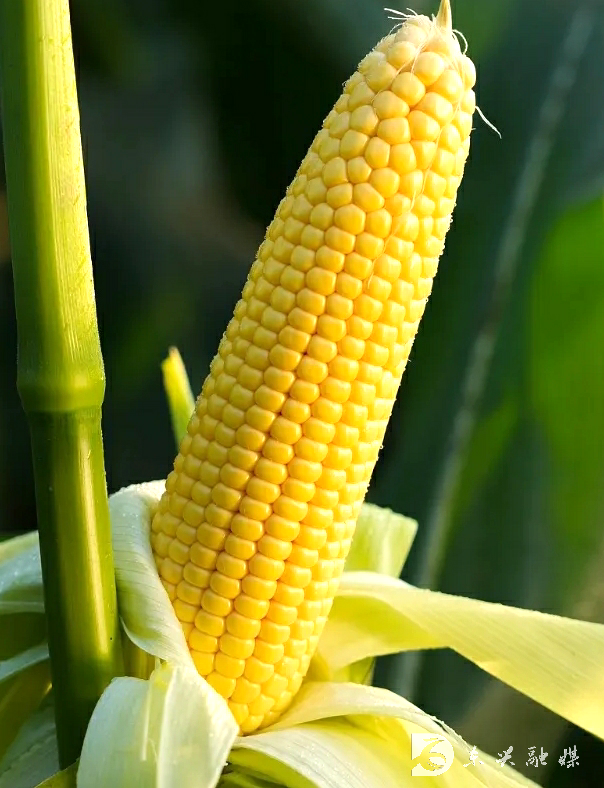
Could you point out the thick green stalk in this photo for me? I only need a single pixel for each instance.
(60, 371)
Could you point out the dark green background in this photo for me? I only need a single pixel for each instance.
(195, 116)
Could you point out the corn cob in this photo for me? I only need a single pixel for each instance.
(251, 535)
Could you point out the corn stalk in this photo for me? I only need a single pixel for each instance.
(60, 369)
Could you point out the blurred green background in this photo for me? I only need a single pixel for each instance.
(195, 117)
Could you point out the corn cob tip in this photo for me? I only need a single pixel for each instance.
(444, 18)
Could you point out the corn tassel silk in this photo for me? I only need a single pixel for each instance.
(252, 532)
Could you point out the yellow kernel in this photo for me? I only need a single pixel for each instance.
(363, 119)
(254, 509)
(271, 318)
(294, 339)
(350, 218)
(409, 88)
(334, 173)
(284, 358)
(328, 148)
(321, 280)
(469, 72)
(339, 125)
(296, 576)
(209, 623)
(423, 127)
(379, 223)
(311, 450)
(245, 691)
(274, 548)
(450, 139)
(322, 216)
(339, 240)
(270, 471)
(290, 509)
(468, 103)
(259, 419)
(211, 536)
(314, 192)
(224, 497)
(358, 266)
(285, 431)
(239, 548)
(277, 452)
(366, 197)
(358, 170)
(311, 238)
(437, 107)
(242, 627)
(312, 370)
(401, 53)
(394, 131)
(311, 301)
(343, 368)
(402, 158)
(318, 430)
(304, 391)
(411, 184)
(381, 76)
(463, 122)
(227, 587)
(388, 105)
(203, 662)
(340, 195)
(331, 328)
(327, 410)
(279, 379)
(258, 588)
(347, 286)
(424, 206)
(302, 258)
(352, 144)
(362, 94)
(257, 672)
(377, 153)
(291, 280)
(215, 603)
(270, 653)
(281, 528)
(428, 67)
(351, 347)
(273, 633)
(443, 163)
(386, 181)
(223, 685)
(202, 642)
(295, 411)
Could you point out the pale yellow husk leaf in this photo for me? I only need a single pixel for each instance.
(553, 660)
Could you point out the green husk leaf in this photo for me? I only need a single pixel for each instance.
(360, 753)
(173, 731)
(178, 393)
(381, 541)
(145, 608)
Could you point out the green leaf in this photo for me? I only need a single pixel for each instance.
(63, 779)
(33, 756)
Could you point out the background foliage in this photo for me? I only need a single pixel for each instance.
(195, 117)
